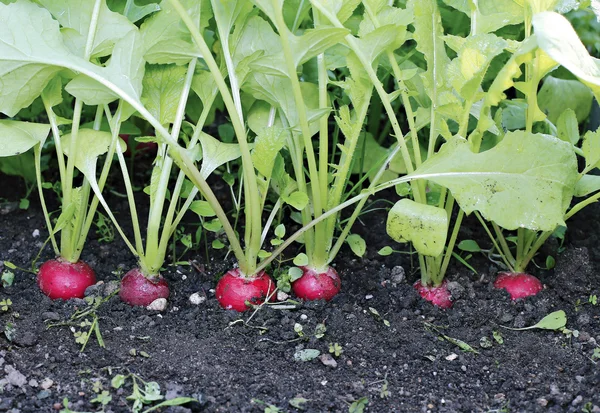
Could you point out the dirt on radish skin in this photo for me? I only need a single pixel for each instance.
(438, 296)
(233, 290)
(65, 280)
(518, 285)
(317, 286)
(137, 289)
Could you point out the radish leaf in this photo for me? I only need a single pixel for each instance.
(553, 321)
(162, 87)
(532, 174)
(216, 153)
(18, 137)
(425, 225)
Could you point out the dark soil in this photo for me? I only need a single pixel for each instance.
(397, 359)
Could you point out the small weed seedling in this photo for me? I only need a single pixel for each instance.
(335, 349)
(459, 343)
(80, 324)
(358, 406)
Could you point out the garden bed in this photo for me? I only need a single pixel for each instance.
(402, 364)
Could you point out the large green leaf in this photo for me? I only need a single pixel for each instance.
(490, 15)
(125, 65)
(558, 39)
(166, 38)
(76, 15)
(18, 137)
(32, 53)
(425, 225)
(525, 181)
(556, 95)
(162, 88)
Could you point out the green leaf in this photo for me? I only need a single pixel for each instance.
(212, 226)
(389, 37)
(591, 149)
(567, 127)
(491, 15)
(134, 12)
(295, 273)
(314, 42)
(177, 401)
(301, 260)
(306, 354)
(385, 251)
(162, 88)
(202, 208)
(425, 225)
(357, 244)
(428, 35)
(467, 70)
(297, 199)
(553, 321)
(126, 66)
(469, 245)
(557, 95)
(298, 402)
(18, 137)
(166, 39)
(92, 144)
(525, 181)
(117, 381)
(558, 39)
(586, 185)
(280, 231)
(267, 145)
(216, 153)
(77, 16)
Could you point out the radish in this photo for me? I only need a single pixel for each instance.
(314, 285)
(438, 296)
(234, 290)
(518, 285)
(137, 289)
(65, 280)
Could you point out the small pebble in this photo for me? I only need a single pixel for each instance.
(35, 233)
(452, 356)
(577, 400)
(398, 275)
(368, 297)
(303, 317)
(282, 296)
(328, 360)
(542, 402)
(157, 305)
(197, 299)
(47, 383)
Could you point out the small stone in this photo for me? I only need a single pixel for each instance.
(542, 402)
(197, 299)
(303, 317)
(596, 409)
(282, 296)
(579, 378)
(583, 319)
(452, 356)
(368, 297)
(57, 406)
(157, 305)
(47, 383)
(398, 275)
(554, 390)
(33, 383)
(328, 360)
(456, 290)
(519, 322)
(35, 233)
(500, 397)
(14, 376)
(463, 368)
(577, 400)
(44, 394)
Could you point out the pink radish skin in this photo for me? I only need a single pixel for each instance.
(65, 280)
(438, 296)
(137, 289)
(233, 290)
(317, 286)
(518, 285)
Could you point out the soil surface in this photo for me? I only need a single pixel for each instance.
(398, 353)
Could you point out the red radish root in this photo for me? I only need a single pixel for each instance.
(317, 286)
(233, 290)
(137, 289)
(62, 279)
(439, 296)
(518, 285)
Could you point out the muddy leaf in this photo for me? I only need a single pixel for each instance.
(306, 355)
